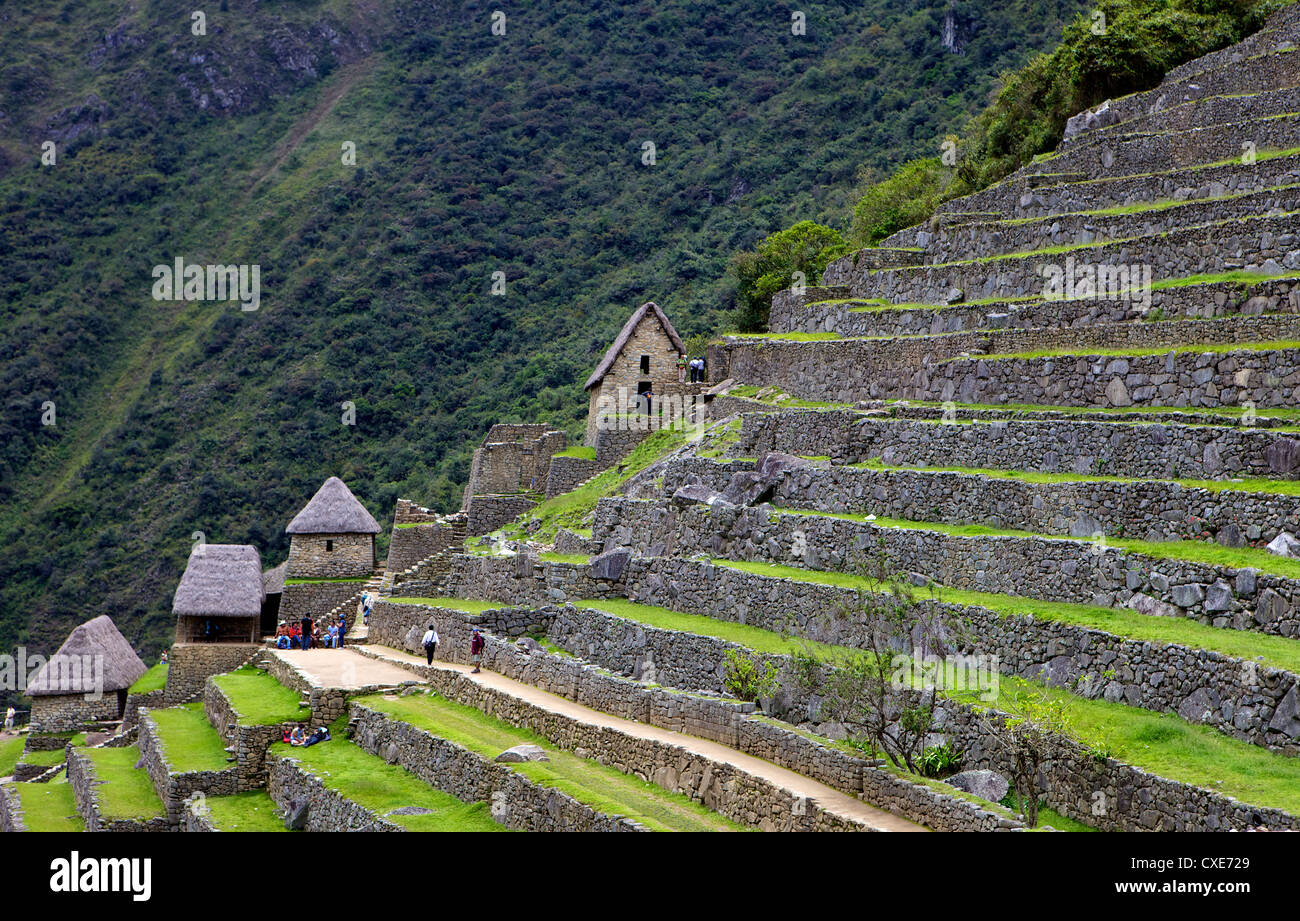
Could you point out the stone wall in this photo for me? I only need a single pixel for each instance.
(512, 459)
(135, 702)
(568, 473)
(614, 444)
(318, 598)
(191, 664)
(417, 542)
(174, 787)
(249, 743)
(1029, 567)
(195, 817)
(1038, 446)
(291, 783)
(11, 810)
(71, 712)
(326, 704)
(487, 513)
(330, 556)
(517, 802)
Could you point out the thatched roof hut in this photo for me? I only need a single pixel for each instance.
(333, 510)
(76, 668)
(220, 580)
(273, 579)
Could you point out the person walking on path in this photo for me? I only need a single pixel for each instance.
(9, 719)
(476, 651)
(306, 632)
(430, 643)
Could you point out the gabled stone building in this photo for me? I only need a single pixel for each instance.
(642, 357)
(331, 552)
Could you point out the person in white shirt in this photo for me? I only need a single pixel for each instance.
(430, 643)
(9, 718)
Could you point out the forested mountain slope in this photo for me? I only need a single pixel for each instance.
(475, 153)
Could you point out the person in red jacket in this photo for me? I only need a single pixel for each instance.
(476, 651)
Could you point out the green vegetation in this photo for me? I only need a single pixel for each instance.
(580, 451)
(1209, 348)
(125, 792)
(251, 811)
(319, 581)
(1282, 652)
(10, 751)
(188, 739)
(470, 606)
(45, 759)
(1059, 822)
(49, 807)
(155, 679)
(376, 278)
(571, 509)
(374, 784)
(1161, 743)
(754, 638)
(603, 788)
(806, 248)
(576, 559)
(259, 699)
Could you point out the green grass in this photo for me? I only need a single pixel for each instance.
(259, 699)
(46, 759)
(1278, 651)
(570, 509)
(49, 807)
(1248, 484)
(765, 641)
(10, 751)
(155, 679)
(374, 784)
(1192, 551)
(321, 581)
(1161, 743)
(126, 793)
(188, 739)
(455, 604)
(581, 451)
(578, 559)
(251, 811)
(1059, 822)
(1230, 414)
(603, 788)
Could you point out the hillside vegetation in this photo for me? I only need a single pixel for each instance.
(475, 153)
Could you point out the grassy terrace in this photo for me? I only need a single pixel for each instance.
(10, 751)
(603, 788)
(1210, 348)
(576, 559)
(46, 759)
(572, 508)
(1192, 551)
(125, 792)
(259, 699)
(251, 811)
(469, 606)
(1250, 485)
(580, 451)
(1161, 743)
(320, 581)
(372, 783)
(1278, 651)
(188, 739)
(155, 679)
(49, 807)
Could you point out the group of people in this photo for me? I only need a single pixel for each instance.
(297, 736)
(306, 633)
(696, 368)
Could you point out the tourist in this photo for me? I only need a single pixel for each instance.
(430, 643)
(476, 650)
(695, 370)
(306, 632)
(163, 660)
(681, 369)
(368, 600)
(343, 629)
(9, 719)
(297, 737)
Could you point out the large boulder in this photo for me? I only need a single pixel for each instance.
(699, 494)
(747, 488)
(299, 810)
(1283, 456)
(521, 753)
(989, 785)
(609, 565)
(1285, 544)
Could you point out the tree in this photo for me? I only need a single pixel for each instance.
(806, 247)
(1026, 736)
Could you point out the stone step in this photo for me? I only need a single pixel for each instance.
(849, 318)
(979, 239)
(1079, 447)
(1059, 503)
(1269, 244)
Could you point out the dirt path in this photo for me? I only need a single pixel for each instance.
(343, 668)
(827, 797)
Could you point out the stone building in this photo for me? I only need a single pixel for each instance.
(86, 681)
(218, 608)
(509, 473)
(331, 553)
(642, 358)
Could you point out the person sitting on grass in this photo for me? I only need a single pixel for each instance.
(297, 737)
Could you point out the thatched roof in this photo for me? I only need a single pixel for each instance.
(626, 333)
(220, 580)
(94, 658)
(273, 579)
(333, 510)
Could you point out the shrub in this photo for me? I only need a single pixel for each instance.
(940, 760)
(806, 247)
(748, 677)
